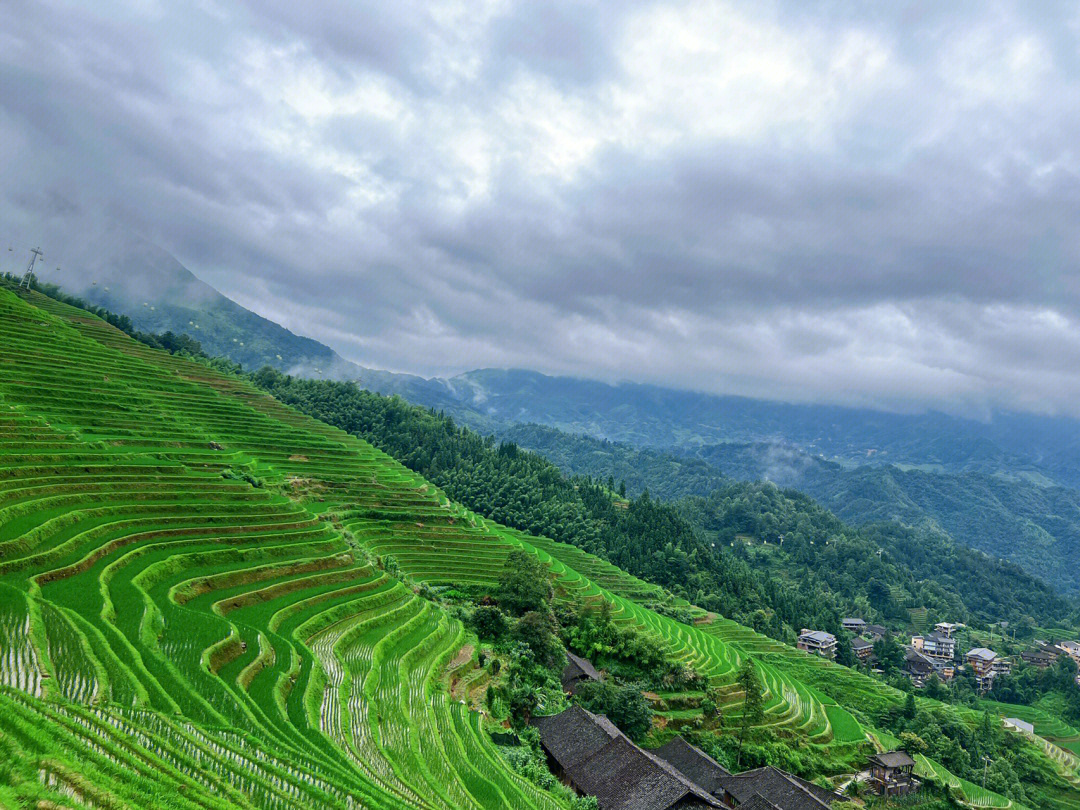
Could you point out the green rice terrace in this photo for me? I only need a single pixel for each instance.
(193, 613)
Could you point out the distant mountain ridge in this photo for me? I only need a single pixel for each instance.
(1036, 527)
(1042, 449)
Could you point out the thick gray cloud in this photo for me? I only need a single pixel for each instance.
(871, 204)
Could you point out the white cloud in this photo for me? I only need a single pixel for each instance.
(826, 202)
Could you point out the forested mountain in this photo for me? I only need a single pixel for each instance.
(730, 507)
(702, 548)
(650, 416)
(1037, 527)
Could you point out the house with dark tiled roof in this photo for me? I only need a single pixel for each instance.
(624, 777)
(854, 625)
(917, 666)
(782, 790)
(576, 671)
(696, 765)
(589, 753)
(891, 774)
(1038, 658)
(764, 788)
(862, 648)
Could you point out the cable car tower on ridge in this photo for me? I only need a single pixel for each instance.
(34, 255)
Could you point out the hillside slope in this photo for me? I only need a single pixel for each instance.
(1035, 527)
(126, 273)
(222, 642)
(924, 566)
(191, 616)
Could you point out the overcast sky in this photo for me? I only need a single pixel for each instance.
(871, 203)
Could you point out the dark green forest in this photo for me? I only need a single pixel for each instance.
(709, 550)
(1037, 527)
(921, 560)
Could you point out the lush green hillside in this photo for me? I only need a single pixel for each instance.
(523, 490)
(1037, 527)
(128, 274)
(666, 475)
(202, 604)
(186, 622)
(835, 564)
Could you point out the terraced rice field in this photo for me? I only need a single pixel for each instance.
(190, 615)
(1046, 725)
(173, 636)
(962, 790)
(1057, 739)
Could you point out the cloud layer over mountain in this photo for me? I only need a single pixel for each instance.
(856, 204)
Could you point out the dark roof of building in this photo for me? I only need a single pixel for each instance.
(624, 777)
(915, 660)
(877, 629)
(602, 761)
(784, 790)
(854, 621)
(758, 802)
(893, 759)
(574, 735)
(578, 667)
(860, 644)
(694, 763)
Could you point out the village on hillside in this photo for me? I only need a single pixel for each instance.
(589, 753)
(936, 654)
